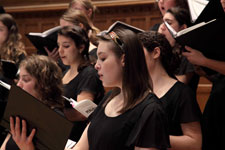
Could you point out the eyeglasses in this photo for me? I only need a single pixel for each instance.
(116, 39)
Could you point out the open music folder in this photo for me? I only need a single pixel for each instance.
(52, 129)
(46, 39)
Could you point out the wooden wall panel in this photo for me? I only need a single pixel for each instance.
(203, 92)
(30, 2)
(38, 18)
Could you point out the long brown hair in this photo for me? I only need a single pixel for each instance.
(13, 47)
(87, 4)
(136, 80)
(76, 17)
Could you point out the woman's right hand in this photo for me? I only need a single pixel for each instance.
(54, 54)
(20, 137)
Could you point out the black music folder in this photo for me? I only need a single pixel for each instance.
(52, 129)
(45, 39)
(211, 11)
(207, 37)
(9, 68)
(120, 24)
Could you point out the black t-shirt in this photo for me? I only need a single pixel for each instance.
(86, 80)
(181, 107)
(186, 67)
(145, 125)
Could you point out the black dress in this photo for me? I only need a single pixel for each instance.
(181, 107)
(213, 123)
(86, 80)
(145, 125)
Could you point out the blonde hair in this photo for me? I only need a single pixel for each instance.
(87, 4)
(13, 47)
(76, 17)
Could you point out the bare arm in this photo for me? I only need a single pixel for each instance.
(197, 58)
(83, 142)
(5, 142)
(191, 138)
(72, 114)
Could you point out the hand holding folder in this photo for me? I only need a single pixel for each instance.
(46, 39)
(52, 129)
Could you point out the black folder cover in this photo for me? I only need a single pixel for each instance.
(120, 24)
(209, 39)
(52, 129)
(212, 10)
(46, 39)
(9, 69)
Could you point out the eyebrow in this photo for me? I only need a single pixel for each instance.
(66, 43)
(168, 20)
(100, 53)
(25, 75)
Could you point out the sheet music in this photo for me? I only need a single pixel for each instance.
(5, 85)
(196, 7)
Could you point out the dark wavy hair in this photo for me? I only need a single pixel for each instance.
(181, 15)
(169, 60)
(49, 77)
(80, 37)
(136, 80)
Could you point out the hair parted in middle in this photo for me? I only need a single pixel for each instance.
(79, 37)
(136, 80)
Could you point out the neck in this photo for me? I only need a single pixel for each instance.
(161, 80)
(73, 70)
(74, 66)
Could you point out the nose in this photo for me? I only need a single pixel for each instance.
(19, 83)
(60, 49)
(162, 27)
(97, 66)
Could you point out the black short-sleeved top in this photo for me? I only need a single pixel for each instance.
(181, 107)
(86, 80)
(145, 125)
(185, 68)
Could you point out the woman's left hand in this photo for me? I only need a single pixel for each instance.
(194, 56)
(20, 137)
